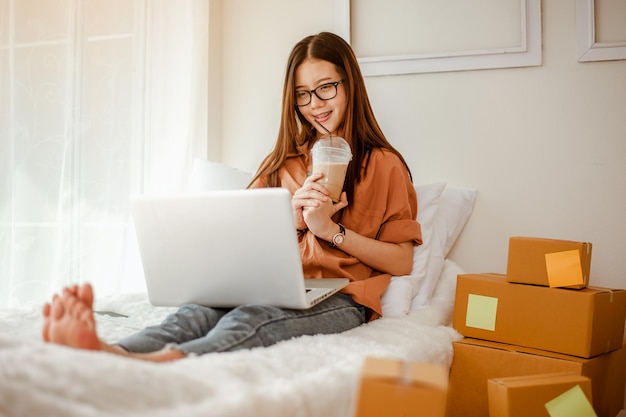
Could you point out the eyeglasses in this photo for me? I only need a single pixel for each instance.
(323, 92)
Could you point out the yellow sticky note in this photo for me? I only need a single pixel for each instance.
(481, 312)
(572, 403)
(564, 268)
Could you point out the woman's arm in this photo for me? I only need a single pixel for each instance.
(391, 258)
(316, 211)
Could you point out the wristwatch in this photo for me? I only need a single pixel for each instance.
(338, 238)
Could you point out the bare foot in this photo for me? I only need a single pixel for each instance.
(69, 319)
(84, 294)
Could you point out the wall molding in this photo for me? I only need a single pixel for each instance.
(524, 55)
(588, 49)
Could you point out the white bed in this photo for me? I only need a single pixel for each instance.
(307, 376)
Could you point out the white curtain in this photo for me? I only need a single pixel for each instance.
(99, 100)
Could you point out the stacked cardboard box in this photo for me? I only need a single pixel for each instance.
(533, 395)
(541, 317)
(549, 262)
(395, 388)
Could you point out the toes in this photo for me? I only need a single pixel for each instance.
(58, 308)
(46, 310)
(85, 293)
(71, 304)
(71, 290)
(85, 315)
(45, 330)
(79, 310)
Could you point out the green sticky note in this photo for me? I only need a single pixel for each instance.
(481, 312)
(572, 403)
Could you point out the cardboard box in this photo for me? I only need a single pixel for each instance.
(584, 322)
(477, 361)
(391, 388)
(523, 396)
(549, 262)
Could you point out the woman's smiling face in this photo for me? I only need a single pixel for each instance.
(311, 74)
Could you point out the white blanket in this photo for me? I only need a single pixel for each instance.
(307, 376)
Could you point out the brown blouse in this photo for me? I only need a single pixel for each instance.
(384, 208)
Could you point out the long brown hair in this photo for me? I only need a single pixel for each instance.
(359, 128)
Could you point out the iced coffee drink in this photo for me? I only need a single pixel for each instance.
(331, 155)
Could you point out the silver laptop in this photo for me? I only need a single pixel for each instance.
(224, 249)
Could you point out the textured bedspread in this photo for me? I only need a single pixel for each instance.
(306, 376)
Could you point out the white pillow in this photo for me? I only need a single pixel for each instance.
(396, 301)
(209, 176)
(455, 208)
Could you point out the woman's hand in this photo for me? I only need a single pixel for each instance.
(319, 218)
(312, 205)
(311, 194)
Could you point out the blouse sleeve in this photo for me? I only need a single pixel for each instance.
(399, 223)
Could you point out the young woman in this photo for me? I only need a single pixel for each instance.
(367, 236)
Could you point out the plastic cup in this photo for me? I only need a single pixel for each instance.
(331, 155)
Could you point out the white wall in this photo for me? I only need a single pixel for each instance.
(545, 146)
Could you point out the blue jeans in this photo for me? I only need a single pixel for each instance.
(196, 329)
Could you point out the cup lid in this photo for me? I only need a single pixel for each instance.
(334, 142)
